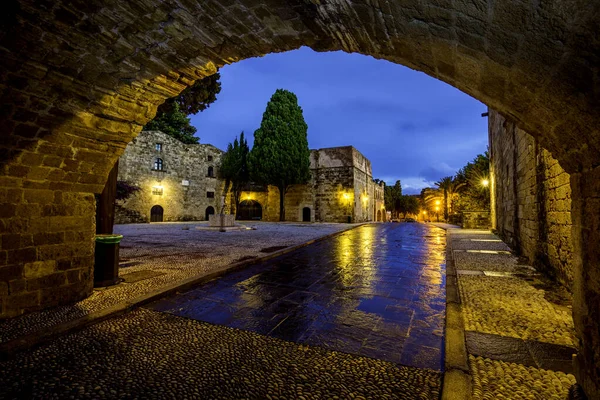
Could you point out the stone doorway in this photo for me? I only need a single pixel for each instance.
(306, 214)
(209, 211)
(156, 214)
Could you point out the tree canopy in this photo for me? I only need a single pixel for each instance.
(175, 124)
(408, 205)
(476, 195)
(234, 167)
(195, 98)
(391, 196)
(280, 155)
(172, 116)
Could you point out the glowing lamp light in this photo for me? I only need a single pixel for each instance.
(424, 212)
(157, 190)
(437, 209)
(437, 202)
(346, 196)
(485, 182)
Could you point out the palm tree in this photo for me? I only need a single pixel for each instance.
(450, 187)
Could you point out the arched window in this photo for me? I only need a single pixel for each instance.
(158, 164)
(211, 172)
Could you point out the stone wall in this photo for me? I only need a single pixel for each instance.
(476, 220)
(531, 199)
(181, 186)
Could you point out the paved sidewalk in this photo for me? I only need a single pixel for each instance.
(518, 326)
(156, 256)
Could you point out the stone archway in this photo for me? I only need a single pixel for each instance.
(210, 210)
(79, 81)
(379, 216)
(250, 210)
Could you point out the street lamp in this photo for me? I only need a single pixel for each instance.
(485, 183)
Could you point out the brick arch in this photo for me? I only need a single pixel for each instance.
(80, 79)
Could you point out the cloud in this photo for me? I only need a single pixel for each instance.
(437, 171)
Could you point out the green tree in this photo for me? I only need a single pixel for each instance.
(391, 196)
(172, 116)
(280, 155)
(475, 195)
(234, 168)
(175, 124)
(195, 98)
(408, 205)
(450, 187)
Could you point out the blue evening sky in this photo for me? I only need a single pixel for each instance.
(411, 126)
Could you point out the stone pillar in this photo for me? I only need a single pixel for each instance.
(47, 253)
(585, 188)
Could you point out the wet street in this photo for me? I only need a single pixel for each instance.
(376, 291)
(361, 316)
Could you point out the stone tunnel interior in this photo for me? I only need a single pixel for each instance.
(80, 79)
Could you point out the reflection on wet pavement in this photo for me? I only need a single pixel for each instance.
(376, 291)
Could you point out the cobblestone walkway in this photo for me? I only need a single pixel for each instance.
(156, 255)
(519, 330)
(151, 355)
(375, 291)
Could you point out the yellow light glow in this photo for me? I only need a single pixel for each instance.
(437, 209)
(437, 202)
(485, 182)
(424, 212)
(365, 198)
(346, 196)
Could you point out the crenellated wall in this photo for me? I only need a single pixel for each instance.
(531, 199)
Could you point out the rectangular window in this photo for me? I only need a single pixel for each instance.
(209, 158)
(158, 146)
(210, 195)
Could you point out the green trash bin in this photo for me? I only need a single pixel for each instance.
(106, 263)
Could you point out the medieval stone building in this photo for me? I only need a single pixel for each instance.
(180, 182)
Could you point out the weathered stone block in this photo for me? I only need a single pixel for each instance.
(39, 269)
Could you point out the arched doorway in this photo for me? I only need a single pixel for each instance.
(209, 211)
(156, 214)
(249, 209)
(306, 214)
(379, 216)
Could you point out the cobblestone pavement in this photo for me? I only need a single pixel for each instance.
(509, 306)
(502, 380)
(150, 355)
(520, 334)
(376, 291)
(157, 255)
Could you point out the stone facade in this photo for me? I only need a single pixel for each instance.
(531, 199)
(185, 186)
(341, 185)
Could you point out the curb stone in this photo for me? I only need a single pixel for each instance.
(457, 376)
(10, 348)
